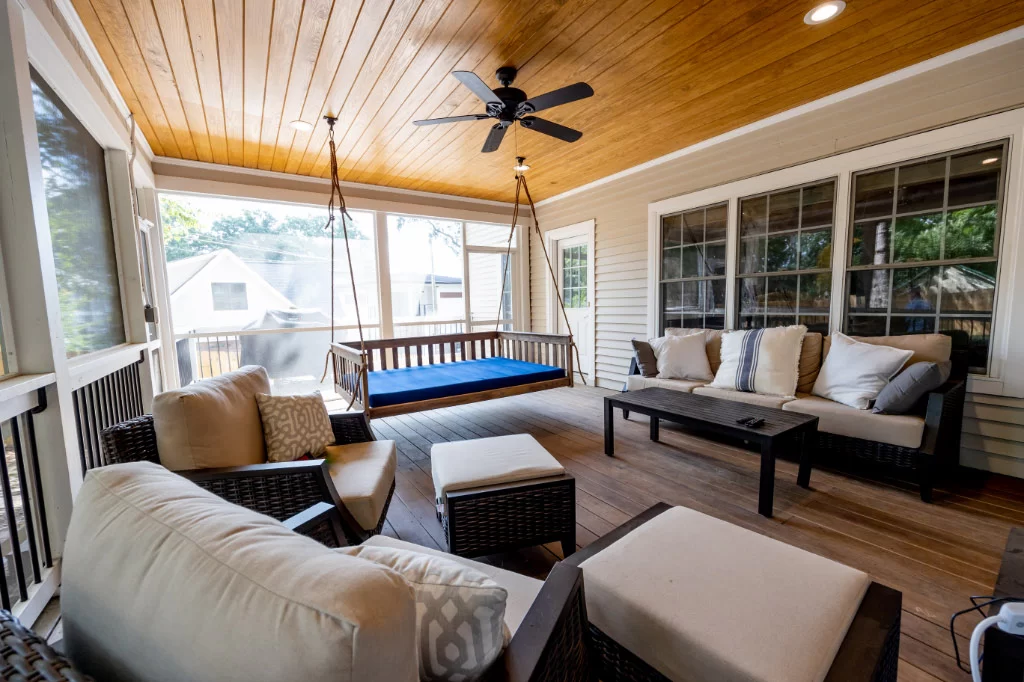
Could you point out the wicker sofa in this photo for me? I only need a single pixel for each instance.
(286, 491)
(924, 443)
(162, 580)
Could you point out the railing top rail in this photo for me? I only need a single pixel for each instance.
(19, 404)
(560, 339)
(272, 330)
(88, 368)
(23, 384)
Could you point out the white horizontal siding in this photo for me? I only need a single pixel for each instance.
(982, 84)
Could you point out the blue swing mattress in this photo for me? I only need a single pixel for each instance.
(412, 384)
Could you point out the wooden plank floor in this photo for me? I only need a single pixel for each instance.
(937, 554)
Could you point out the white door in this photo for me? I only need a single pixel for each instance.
(574, 281)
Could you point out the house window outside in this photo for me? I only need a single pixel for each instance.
(692, 277)
(922, 258)
(78, 208)
(229, 296)
(786, 241)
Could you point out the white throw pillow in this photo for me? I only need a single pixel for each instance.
(765, 361)
(855, 372)
(682, 357)
(460, 611)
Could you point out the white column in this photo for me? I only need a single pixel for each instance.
(27, 252)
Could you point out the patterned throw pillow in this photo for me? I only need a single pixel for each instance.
(294, 425)
(764, 361)
(460, 612)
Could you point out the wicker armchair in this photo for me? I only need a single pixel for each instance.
(296, 493)
(24, 655)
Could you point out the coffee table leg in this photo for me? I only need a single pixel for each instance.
(766, 494)
(609, 430)
(803, 477)
(655, 425)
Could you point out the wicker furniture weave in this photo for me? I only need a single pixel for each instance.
(26, 657)
(869, 652)
(500, 518)
(282, 490)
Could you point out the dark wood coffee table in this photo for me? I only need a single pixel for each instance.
(717, 416)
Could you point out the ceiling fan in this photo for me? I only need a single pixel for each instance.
(508, 105)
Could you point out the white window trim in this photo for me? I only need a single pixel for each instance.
(1008, 311)
(551, 239)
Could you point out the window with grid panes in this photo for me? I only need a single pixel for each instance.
(692, 278)
(785, 257)
(574, 276)
(923, 248)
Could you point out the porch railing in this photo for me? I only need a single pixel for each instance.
(107, 400)
(24, 539)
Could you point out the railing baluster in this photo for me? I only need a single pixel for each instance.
(76, 401)
(12, 523)
(44, 531)
(26, 507)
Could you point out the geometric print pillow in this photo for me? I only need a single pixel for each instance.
(294, 425)
(460, 612)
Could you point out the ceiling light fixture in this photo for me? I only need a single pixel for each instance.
(824, 12)
(520, 166)
(301, 125)
(991, 159)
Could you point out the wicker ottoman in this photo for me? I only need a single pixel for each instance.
(499, 494)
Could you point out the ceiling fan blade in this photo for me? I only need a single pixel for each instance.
(477, 86)
(553, 129)
(494, 138)
(450, 119)
(569, 93)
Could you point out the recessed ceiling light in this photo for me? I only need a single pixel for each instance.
(304, 126)
(992, 159)
(824, 12)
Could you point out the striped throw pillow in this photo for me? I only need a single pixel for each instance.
(762, 361)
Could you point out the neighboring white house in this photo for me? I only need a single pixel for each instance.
(217, 291)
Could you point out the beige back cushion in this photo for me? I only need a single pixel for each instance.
(926, 347)
(810, 355)
(164, 581)
(212, 423)
(810, 362)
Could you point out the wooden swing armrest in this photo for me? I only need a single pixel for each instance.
(350, 354)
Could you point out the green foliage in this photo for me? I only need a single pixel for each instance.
(971, 232)
(185, 234)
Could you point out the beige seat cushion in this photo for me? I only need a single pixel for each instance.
(465, 464)
(162, 581)
(522, 590)
(905, 430)
(742, 397)
(810, 362)
(702, 599)
(926, 347)
(363, 474)
(212, 423)
(635, 382)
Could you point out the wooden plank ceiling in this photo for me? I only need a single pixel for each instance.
(219, 80)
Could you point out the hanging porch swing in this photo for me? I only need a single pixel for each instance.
(387, 377)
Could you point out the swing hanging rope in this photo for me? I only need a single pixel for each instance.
(522, 187)
(345, 219)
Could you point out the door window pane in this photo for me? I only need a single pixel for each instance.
(78, 209)
(953, 202)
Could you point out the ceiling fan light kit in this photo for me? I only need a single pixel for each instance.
(511, 105)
